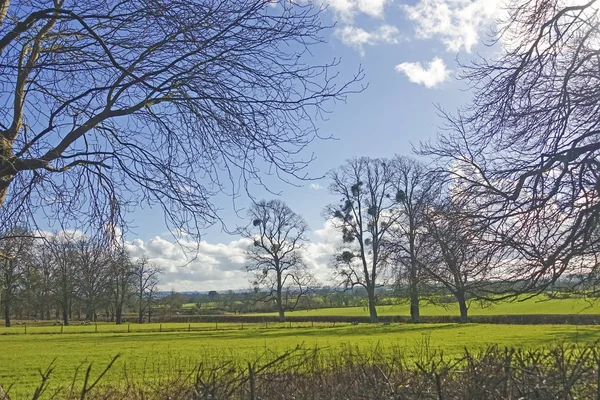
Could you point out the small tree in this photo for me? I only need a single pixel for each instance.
(364, 217)
(146, 276)
(275, 257)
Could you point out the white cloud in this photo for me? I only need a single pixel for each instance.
(434, 75)
(219, 266)
(346, 10)
(315, 186)
(358, 37)
(458, 23)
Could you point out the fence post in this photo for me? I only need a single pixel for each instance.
(312, 324)
(242, 325)
(96, 327)
(252, 382)
(128, 327)
(61, 328)
(25, 329)
(160, 328)
(189, 327)
(216, 326)
(290, 324)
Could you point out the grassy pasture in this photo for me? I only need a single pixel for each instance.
(539, 305)
(158, 354)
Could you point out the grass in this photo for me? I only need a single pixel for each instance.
(158, 353)
(539, 305)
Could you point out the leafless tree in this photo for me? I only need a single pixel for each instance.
(92, 273)
(146, 276)
(275, 257)
(64, 260)
(121, 281)
(16, 247)
(365, 216)
(525, 151)
(459, 258)
(416, 189)
(107, 104)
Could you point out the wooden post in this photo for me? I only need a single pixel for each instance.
(61, 328)
(252, 382)
(189, 327)
(312, 324)
(25, 329)
(128, 327)
(96, 327)
(216, 326)
(160, 328)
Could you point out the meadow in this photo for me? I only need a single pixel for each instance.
(156, 355)
(536, 305)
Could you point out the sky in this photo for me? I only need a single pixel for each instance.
(409, 51)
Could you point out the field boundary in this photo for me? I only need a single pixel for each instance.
(524, 319)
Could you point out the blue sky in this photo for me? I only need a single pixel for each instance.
(408, 50)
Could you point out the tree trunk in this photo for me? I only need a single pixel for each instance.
(462, 304)
(372, 308)
(65, 312)
(415, 315)
(141, 307)
(7, 310)
(119, 314)
(280, 307)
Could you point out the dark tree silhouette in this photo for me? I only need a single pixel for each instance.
(107, 104)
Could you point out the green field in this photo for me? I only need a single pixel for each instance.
(159, 354)
(528, 306)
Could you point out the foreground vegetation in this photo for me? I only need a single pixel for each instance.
(152, 356)
(566, 371)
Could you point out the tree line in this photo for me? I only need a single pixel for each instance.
(72, 277)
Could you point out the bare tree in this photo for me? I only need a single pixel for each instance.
(146, 276)
(93, 273)
(107, 104)
(525, 151)
(459, 257)
(121, 281)
(16, 248)
(365, 218)
(275, 257)
(64, 260)
(417, 189)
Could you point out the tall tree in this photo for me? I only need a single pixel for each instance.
(64, 259)
(16, 249)
(146, 276)
(121, 281)
(364, 217)
(525, 151)
(417, 189)
(275, 257)
(459, 259)
(93, 273)
(109, 102)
